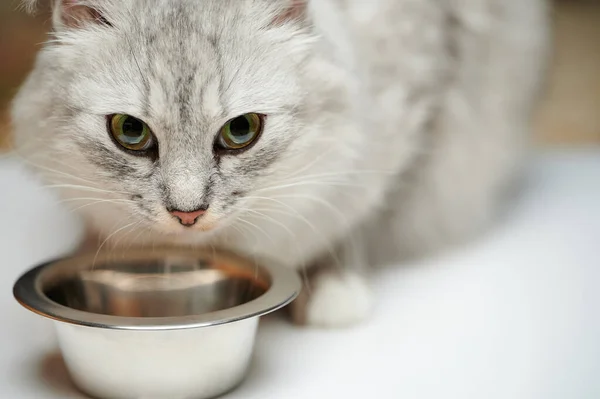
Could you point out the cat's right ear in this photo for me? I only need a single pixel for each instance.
(292, 11)
(71, 13)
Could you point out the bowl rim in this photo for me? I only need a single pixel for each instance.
(285, 287)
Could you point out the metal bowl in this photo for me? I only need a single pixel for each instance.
(168, 323)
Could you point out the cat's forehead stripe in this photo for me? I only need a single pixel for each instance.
(212, 104)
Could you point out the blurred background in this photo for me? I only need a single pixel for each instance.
(568, 115)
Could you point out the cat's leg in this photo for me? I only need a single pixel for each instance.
(336, 292)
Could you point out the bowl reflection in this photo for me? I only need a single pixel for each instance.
(157, 288)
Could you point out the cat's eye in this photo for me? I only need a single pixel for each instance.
(131, 133)
(240, 132)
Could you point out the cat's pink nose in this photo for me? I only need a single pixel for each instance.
(188, 218)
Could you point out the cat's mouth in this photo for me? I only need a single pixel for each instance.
(207, 222)
(194, 233)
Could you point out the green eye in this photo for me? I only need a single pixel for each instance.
(131, 133)
(240, 132)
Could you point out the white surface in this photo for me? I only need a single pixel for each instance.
(514, 316)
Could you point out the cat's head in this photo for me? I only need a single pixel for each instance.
(150, 113)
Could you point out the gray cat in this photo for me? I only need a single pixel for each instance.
(323, 134)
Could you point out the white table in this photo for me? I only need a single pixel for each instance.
(514, 316)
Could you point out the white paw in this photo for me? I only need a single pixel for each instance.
(338, 300)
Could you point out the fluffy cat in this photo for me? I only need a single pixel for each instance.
(326, 134)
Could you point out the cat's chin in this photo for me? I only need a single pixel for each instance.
(189, 237)
(200, 229)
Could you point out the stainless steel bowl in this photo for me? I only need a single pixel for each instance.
(168, 323)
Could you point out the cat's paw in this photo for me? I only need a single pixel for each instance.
(335, 300)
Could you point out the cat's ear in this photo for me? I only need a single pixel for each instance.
(72, 13)
(292, 11)
(76, 13)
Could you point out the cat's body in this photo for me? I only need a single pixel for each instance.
(393, 126)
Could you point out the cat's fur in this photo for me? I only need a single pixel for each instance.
(394, 126)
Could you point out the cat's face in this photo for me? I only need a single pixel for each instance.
(176, 106)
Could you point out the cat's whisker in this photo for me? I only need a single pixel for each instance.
(344, 174)
(319, 179)
(85, 205)
(242, 233)
(111, 200)
(107, 239)
(34, 161)
(306, 183)
(255, 238)
(320, 201)
(275, 210)
(302, 265)
(272, 220)
(129, 231)
(57, 172)
(84, 188)
(301, 217)
(342, 218)
(304, 275)
(141, 231)
(257, 228)
(309, 165)
(94, 202)
(237, 229)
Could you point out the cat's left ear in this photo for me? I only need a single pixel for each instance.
(292, 11)
(71, 13)
(76, 14)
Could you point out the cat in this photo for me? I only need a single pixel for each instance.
(326, 135)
